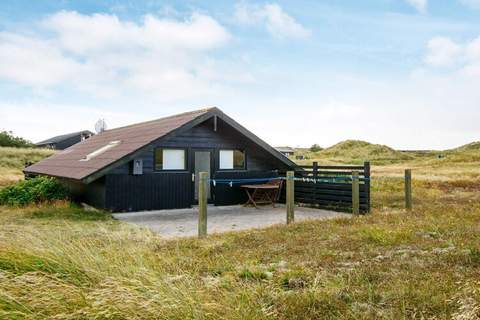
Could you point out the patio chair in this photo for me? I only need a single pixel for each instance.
(278, 191)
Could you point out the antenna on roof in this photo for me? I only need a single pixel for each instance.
(100, 126)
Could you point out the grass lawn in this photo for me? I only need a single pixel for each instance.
(60, 262)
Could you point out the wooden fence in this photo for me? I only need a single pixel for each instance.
(330, 187)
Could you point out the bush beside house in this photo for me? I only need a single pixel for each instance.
(32, 191)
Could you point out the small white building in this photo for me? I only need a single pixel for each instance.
(286, 151)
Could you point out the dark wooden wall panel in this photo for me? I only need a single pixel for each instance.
(148, 192)
(93, 193)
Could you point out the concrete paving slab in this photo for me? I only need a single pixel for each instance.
(184, 222)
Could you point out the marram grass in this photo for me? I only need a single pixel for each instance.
(12, 162)
(60, 262)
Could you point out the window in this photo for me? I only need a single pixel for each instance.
(232, 159)
(103, 149)
(170, 159)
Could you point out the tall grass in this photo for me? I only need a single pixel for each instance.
(12, 162)
(62, 262)
(357, 152)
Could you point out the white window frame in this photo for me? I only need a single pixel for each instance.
(230, 163)
(225, 164)
(171, 167)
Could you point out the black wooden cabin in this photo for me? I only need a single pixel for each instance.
(64, 141)
(155, 165)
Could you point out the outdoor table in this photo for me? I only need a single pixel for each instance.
(261, 193)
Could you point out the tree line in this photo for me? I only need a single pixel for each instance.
(8, 139)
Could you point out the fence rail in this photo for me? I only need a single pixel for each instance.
(330, 187)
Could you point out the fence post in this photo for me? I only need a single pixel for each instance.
(355, 193)
(315, 169)
(202, 204)
(290, 197)
(367, 175)
(408, 189)
(315, 176)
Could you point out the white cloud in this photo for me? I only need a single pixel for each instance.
(33, 61)
(277, 22)
(445, 112)
(99, 32)
(102, 54)
(474, 4)
(419, 5)
(473, 50)
(460, 57)
(442, 51)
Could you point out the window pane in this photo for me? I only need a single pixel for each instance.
(232, 159)
(239, 159)
(226, 159)
(169, 159)
(173, 159)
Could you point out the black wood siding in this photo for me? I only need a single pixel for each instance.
(93, 193)
(156, 190)
(148, 192)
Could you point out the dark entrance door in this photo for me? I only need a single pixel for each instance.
(202, 162)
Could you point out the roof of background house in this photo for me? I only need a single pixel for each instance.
(125, 143)
(285, 149)
(62, 137)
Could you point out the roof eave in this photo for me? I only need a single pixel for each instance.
(26, 172)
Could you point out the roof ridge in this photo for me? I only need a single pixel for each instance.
(199, 111)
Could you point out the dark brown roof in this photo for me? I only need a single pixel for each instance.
(67, 163)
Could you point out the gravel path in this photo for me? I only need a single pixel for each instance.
(184, 222)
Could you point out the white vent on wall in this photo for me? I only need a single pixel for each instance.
(103, 149)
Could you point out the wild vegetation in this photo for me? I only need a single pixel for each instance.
(12, 162)
(31, 191)
(356, 152)
(60, 261)
(8, 139)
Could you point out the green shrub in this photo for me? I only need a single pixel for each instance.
(7, 139)
(35, 190)
(315, 148)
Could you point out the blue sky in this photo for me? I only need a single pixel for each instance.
(400, 72)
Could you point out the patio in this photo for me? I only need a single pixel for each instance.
(184, 222)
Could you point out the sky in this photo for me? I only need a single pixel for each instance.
(405, 73)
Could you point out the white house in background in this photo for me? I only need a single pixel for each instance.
(286, 151)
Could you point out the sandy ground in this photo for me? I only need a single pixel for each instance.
(184, 222)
